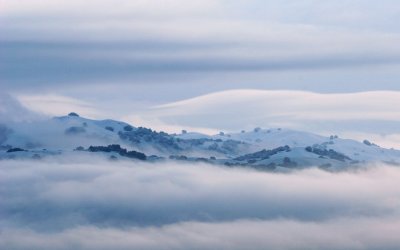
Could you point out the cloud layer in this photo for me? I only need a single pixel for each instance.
(56, 43)
(373, 115)
(351, 234)
(11, 110)
(93, 204)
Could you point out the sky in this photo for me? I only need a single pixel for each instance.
(120, 59)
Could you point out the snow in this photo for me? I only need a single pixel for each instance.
(192, 135)
(273, 138)
(51, 135)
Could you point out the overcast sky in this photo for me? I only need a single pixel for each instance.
(121, 57)
(202, 46)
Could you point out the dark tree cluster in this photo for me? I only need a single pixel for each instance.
(145, 135)
(118, 149)
(230, 145)
(128, 128)
(263, 154)
(368, 143)
(109, 128)
(225, 147)
(288, 163)
(178, 157)
(15, 150)
(330, 153)
(185, 158)
(80, 148)
(73, 114)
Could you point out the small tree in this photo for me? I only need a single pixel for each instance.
(73, 114)
(128, 128)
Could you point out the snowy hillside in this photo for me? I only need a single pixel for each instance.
(269, 149)
(64, 132)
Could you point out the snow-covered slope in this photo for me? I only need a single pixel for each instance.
(64, 132)
(272, 138)
(357, 151)
(261, 148)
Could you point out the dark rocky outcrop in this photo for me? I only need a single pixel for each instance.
(142, 135)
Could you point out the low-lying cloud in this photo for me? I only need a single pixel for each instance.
(92, 204)
(11, 110)
(365, 233)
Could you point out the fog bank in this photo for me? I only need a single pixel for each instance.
(125, 205)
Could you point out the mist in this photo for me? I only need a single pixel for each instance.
(98, 204)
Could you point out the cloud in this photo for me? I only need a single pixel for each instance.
(364, 233)
(95, 204)
(155, 40)
(307, 105)
(11, 110)
(57, 105)
(350, 114)
(96, 8)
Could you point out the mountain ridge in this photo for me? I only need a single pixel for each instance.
(259, 148)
